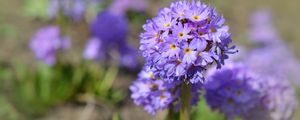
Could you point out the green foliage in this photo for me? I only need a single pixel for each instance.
(203, 112)
(117, 116)
(8, 31)
(34, 90)
(7, 111)
(37, 8)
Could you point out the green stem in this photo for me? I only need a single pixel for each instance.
(186, 95)
(109, 78)
(45, 82)
(170, 115)
(45, 89)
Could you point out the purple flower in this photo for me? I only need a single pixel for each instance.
(155, 94)
(262, 30)
(217, 29)
(184, 39)
(189, 55)
(128, 56)
(79, 9)
(237, 91)
(53, 8)
(233, 90)
(47, 42)
(74, 9)
(165, 22)
(151, 93)
(180, 9)
(139, 5)
(278, 103)
(275, 60)
(273, 56)
(93, 50)
(109, 32)
(197, 13)
(181, 32)
(172, 49)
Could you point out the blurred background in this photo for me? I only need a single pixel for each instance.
(90, 76)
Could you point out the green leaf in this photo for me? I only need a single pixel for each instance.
(37, 8)
(203, 112)
(7, 111)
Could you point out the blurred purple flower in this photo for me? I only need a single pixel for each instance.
(275, 60)
(274, 57)
(54, 8)
(122, 6)
(262, 30)
(237, 91)
(279, 101)
(233, 90)
(46, 43)
(111, 31)
(74, 9)
(93, 50)
(78, 11)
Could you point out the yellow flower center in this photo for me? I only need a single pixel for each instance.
(182, 14)
(196, 17)
(201, 33)
(239, 92)
(149, 85)
(152, 76)
(181, 34)
(187, 51)
(213, 29)
(156, 35)
(168, 24)
(173, 46)
(154, 87)
(163, 97)
(199, 54)
(161, 40)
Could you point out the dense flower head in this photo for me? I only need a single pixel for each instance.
(184, 39)
(155, 94)
(46, 43)
(237, 91)
(233, 90)
(109, 32)
(74, 9)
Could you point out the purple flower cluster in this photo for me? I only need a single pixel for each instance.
(109, 32)
(238, 92)
(184, 39)
(46, 43)
(274, 57)
(262, 29)
(233, 90)
(74, 9)
(121, 6)
(156, 94)
(278, 103)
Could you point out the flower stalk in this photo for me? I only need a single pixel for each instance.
(186, 96)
